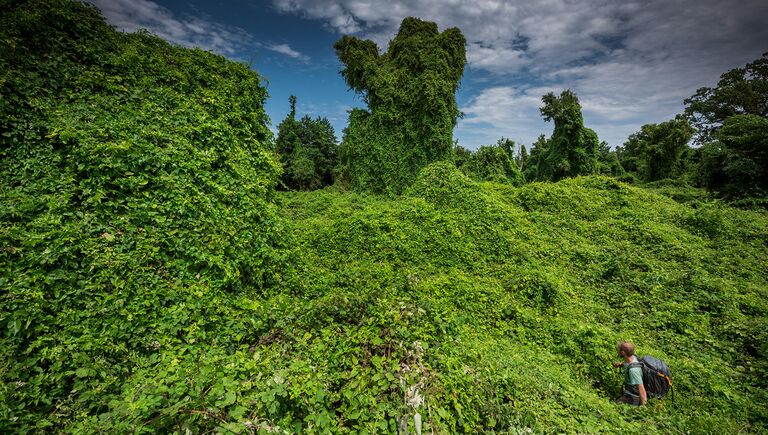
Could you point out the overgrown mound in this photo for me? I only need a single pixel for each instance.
(137, 204)
(500, 307)
(145, 287)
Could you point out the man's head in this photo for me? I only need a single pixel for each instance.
(625, 348)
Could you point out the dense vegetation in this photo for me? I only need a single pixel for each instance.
(307, 150)
(490, 163)
(153, 281)
(657, 151)
(137, 207)
(509, 301)
(572, 150)
(410, 92)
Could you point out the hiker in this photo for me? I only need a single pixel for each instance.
(634, 390)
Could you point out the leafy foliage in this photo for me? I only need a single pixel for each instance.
(516, 298)
(740, 91)
(490, 163)
(608, 161)
(410, 92)
(150, 284)
(531, 164)
(657, 151)
(137, 204)
(572, 149)
(736, 164)
(307, 149)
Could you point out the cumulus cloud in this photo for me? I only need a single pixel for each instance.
(133, 15)
(502, 111)
(189, 31)
(630, 62)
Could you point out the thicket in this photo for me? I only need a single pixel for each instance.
(490, 163)
(137, 210)
(153, 281)
(501, 306)
(571, 150)
(307, 150)
(657, 151)
(410, 93)
(736, 163)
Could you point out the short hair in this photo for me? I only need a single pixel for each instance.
(627, 347)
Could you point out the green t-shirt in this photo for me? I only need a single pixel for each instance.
(633, 376)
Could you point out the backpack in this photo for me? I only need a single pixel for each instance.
(657, 378)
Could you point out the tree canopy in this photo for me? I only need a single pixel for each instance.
(307, 149)
(490, 163)
(740, 91)
(410, 92)
(731, 121)
(736, 163)
(656, 151)
(572, 149)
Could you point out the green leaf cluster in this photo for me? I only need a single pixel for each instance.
(736, 163)
(490, 163)
(572, 150)
(307, 150)
(410, 93)
(137, 203)
(657, 151)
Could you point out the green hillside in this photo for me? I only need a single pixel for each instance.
(153, 281)
(517, 297)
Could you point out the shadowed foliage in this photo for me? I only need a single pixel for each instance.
(657, 150)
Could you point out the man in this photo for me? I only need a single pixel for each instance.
(634, 390)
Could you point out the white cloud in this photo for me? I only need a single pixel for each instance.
(288, 51)
(497, 60)
(502, 111)
(630, 62)
(133, 15)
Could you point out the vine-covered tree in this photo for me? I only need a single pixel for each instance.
(736, 164)
(288, 132)
(461, 156)
(608, 161)
(572, 149)
(521, 157)
(490, 163)
(307, 149)
(531, 164)
(410, 92)
(655, 152)
(740, 91)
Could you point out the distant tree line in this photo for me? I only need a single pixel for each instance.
(729, 125)
(719, 142)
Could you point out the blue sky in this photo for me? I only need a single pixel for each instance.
(630, 62)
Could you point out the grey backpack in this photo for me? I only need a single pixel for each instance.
(657, 378)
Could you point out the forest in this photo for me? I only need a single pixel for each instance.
(169, 265)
